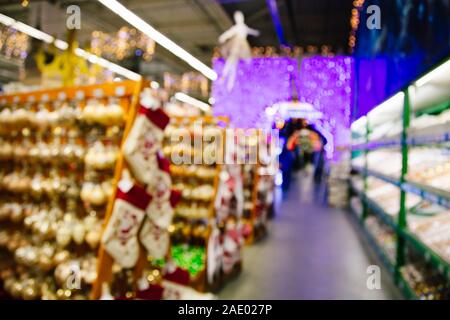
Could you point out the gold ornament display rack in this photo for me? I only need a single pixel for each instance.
(200, 282)
(127, 94)
(251, 182)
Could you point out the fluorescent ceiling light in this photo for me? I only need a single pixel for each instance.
(158, 37)
(22, 27)
(180, 96)
(32, 32)
(62, 45)
(6, 20)
(434, 73)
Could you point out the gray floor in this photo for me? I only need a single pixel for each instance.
(312, 252)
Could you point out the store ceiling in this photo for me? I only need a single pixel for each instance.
(304, 22)
(197, 24)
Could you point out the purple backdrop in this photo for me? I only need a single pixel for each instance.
(259, 84)
(326, 83)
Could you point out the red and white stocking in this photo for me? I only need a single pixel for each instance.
(160, 186)
(144, 141)
(155, 239)
(232, 242)
(120, 236)
(161, 211)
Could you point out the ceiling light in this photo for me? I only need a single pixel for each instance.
(180, 96)
(158, 37)
(434, 73)
(22, 27)
(63, 45)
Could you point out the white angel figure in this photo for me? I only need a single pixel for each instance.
(236, 47)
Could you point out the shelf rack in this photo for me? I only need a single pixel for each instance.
(379, 251)
(200, 282)
(128, 92)
(407, 139)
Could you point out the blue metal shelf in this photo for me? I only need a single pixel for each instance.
(413, 142)
(431, 194)
(427, 140)
(381, 176)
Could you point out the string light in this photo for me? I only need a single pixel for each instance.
(123, 44)
(62, 45)
(354, 23)
(13, 44)
(294, 52)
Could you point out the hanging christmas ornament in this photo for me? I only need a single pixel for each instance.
(120, 236)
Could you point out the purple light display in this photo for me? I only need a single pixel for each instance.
(327, 84)
(260, 83)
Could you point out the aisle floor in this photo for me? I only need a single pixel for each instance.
(311, 252)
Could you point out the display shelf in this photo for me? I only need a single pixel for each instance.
(378, 144)
(380, 251)
(377, 248)
(407, 291)
(216, 209)
(431, 101)
(381, 176)
(386, 218)
(429, 255)
(431, 194)
(57, 131)
(436, 134)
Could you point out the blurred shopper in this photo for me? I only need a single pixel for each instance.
(286, 161)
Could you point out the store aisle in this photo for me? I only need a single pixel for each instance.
(312, 252)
